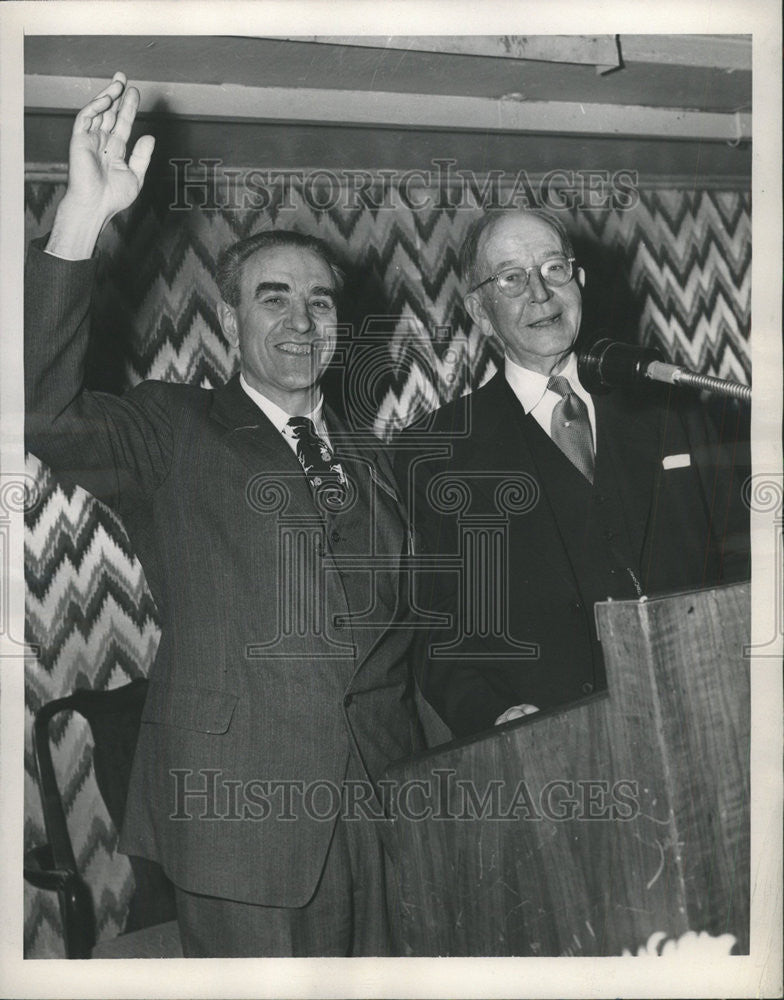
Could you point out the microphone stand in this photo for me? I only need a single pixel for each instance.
(658, 371)
(609, 364)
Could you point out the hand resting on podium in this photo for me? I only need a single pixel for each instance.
(515, 712)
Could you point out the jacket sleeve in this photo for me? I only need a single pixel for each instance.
(116, 448)
(467, 695)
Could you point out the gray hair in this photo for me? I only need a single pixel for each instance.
(470, 248)
(229, 271)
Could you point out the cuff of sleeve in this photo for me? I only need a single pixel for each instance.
(38, 248)
(67, 282)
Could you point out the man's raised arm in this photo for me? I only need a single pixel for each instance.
(116, 448)
(100, 182)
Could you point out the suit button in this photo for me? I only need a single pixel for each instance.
(586, 688)
(600, 498)
(347, 700)
(335, 537)
(609, 534)
(575, 607)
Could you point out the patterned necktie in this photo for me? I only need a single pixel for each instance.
(322, 469)
(571, 427)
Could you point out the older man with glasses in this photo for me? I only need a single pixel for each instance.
(624, 495)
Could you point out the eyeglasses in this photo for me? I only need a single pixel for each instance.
(513, 281)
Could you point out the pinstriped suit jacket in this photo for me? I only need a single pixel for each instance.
(279, 659)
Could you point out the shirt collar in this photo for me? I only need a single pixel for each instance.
(529, 386)
(277, 416)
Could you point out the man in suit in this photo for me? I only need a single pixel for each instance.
(280, 689)
(550, 499)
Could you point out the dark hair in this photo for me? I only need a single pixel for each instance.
(470, 248)
(230, 261)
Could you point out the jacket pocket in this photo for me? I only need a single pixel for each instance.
(201, 709)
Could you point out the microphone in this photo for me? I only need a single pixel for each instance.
(608, 364)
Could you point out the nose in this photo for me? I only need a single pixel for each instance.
(299, 318)
(537, 290)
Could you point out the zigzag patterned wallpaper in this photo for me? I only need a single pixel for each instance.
(674, 270)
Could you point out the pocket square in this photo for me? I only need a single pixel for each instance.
(676, 461)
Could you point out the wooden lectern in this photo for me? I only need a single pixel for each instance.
(585, 830)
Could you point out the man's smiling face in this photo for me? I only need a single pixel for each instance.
(284, 324)
(539, 327)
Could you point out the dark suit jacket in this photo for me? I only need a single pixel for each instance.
(275, 663)
(536, 554)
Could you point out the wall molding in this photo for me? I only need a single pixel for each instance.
(411, 111)
(225, 174)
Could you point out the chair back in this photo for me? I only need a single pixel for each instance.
(114, 718)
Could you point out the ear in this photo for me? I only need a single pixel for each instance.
(476, 310)
(228, 321)
(580, 277)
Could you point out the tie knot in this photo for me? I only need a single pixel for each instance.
(311, 449)
(560, 384)
(302, 427)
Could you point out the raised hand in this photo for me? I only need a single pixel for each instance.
(100, 182)
(97, 171)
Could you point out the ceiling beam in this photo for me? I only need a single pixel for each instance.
(590, 50)
(730, 52)
(416, 111)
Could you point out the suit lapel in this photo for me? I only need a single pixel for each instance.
(233, 408)
(258, 444)
(496, 435)
(556, 478)
(362, 455)
(373, 526)
(627, 453)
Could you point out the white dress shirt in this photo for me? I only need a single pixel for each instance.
(280, 419)
(530, 387)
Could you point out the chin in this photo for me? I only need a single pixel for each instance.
(556, 352)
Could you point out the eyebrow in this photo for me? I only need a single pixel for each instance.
(282, 286)
(271, 286)
(548, 255)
